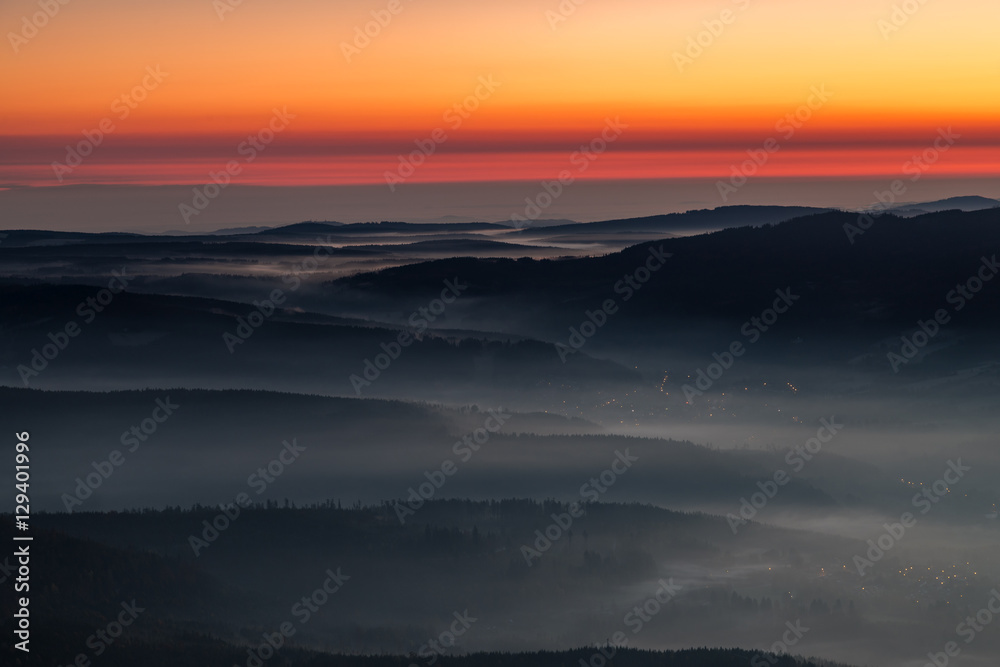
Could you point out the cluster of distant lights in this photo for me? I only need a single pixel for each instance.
(938, 578)
(904, 571)
(921, 485)
(912, 570)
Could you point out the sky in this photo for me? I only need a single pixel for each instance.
(146, 93)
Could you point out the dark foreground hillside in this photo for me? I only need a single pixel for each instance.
(206, 652)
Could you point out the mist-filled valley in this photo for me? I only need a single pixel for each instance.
(539, 333)
(767, 428)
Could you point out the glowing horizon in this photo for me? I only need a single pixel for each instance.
(531, 86)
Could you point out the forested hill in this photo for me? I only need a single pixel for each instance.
(197, 649)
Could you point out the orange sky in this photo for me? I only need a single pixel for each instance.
(555, 79)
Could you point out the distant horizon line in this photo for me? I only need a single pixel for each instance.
(541, 222)
(155, 209)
